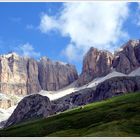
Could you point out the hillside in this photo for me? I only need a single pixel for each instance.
(118, 116)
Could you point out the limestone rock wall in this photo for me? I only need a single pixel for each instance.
(22, 76)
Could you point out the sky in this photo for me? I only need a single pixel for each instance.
(66, 31)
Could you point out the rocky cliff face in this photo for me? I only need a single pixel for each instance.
(13, 74)
(117, 86)
(33, 83)
(40, 106)
(128, 58)
(107, 89)
(98, 63)
(20, 75)
(55, 75)
(33, 106)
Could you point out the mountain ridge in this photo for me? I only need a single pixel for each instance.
(107, 89)
(103, 75)
(21, 75)
(98, 63)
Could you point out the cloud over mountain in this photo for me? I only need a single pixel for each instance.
(27, 50)
(88, 24)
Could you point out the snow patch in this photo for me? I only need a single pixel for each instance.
(6, 113)
(10, 55)
(3, 97)
(53, 95)
(102, 79)
(135, 72)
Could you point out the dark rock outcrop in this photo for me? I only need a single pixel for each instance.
(107, 89)
(128, 58)
(137, 53)
(2, 124)
(33, 106)
(117, 86)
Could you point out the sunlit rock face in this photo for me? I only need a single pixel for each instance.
(6, 103)
(96, 63)
(13, 74)
(22, 75)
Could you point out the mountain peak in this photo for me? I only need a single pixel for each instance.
(98, 63)
(133, 42)
(10, 54)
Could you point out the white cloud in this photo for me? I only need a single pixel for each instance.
(71, 53)
(27, 50)
(48, 23)
(97, 24)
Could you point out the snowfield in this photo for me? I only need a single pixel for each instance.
(5, 114)
(53, 95)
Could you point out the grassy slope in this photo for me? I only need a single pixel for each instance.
(118, 116)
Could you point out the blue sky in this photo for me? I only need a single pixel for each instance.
(65, 31)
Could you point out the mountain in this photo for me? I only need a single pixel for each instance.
(116, 117)
(98, 63)
(33, 106)
(103, 76)
(37, 107)
(127, 58)
(22, 75)
(55, 75)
